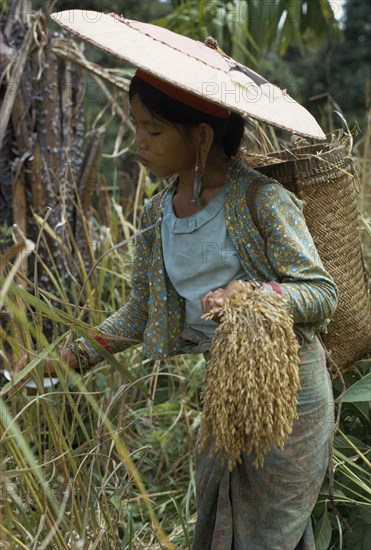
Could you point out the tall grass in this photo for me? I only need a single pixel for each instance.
(102, 459)
(105, 459)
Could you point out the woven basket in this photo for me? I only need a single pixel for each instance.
(324, 178)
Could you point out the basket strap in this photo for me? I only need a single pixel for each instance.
(251, 193)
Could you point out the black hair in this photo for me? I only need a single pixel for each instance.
(228, 131)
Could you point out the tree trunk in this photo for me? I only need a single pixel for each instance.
(41, 145)
(43, 179)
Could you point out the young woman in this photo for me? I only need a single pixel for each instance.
(197, 246)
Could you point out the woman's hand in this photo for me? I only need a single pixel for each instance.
(66, 355)
(216, 298)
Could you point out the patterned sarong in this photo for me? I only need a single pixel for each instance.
(270, 508)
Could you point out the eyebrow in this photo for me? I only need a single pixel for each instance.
(152, 121)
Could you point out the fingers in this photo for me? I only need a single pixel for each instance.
(216, 298)
(20, 364)
(236, 287)
(212, 299)
(66, 355)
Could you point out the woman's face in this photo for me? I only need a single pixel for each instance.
(161, 146)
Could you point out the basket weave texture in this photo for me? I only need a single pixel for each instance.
(324, 178)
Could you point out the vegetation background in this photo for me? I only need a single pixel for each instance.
(106, 459)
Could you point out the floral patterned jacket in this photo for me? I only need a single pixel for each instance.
(155, 313)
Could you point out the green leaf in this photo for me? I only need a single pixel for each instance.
(322, 531)
(340, 443)
(13, 428)
(358, 392)
(367, 539)
(363, 409)
(365, 515)
(31, 365)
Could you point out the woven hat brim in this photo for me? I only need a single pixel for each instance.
(192, 66)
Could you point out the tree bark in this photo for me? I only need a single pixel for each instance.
(41, 145)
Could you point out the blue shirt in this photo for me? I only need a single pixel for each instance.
(199, 256)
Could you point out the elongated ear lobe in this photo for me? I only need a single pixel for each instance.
(205, 140)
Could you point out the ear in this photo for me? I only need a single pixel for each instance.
(203, 141)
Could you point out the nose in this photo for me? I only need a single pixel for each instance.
(139, 141)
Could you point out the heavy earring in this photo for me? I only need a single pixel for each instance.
(197, 184)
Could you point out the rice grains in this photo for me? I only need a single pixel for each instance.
(252, 378)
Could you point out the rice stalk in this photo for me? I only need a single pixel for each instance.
(252, 378)
(20, 451)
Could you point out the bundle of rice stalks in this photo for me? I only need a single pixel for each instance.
(252, 378)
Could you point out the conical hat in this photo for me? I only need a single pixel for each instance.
(193, 67)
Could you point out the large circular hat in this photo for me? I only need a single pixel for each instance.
(193, 67)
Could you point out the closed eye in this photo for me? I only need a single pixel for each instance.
(137, 125)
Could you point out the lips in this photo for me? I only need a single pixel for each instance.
(142, 160)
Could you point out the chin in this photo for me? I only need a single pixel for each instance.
(161, 174)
